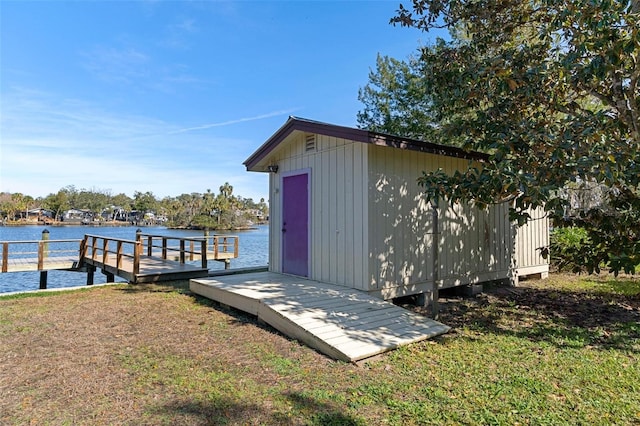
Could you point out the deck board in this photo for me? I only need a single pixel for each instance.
(49, 263)
(340, 322)
(152, 269)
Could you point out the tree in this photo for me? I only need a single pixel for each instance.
(8, 207)
(144, 202)
(207, 211)
(395, 100)
(92, 199)
(72, 196)
(549, 89)
(58, 203)
(208, 203)
(225, 203)
(20, 204)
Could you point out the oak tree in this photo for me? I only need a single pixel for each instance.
(550, 90)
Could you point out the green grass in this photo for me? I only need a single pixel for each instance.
(561, 352)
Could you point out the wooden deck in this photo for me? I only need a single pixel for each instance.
(50, 263)
(120, 257)
(151, 269)
(342, 323)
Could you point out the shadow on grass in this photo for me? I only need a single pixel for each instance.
(219, 411)
(562, 317)
(180, 286)
(320, 413)
(226, 411)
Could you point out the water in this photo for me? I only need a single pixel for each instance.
(253, 251)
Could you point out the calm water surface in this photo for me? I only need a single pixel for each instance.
(253, 251)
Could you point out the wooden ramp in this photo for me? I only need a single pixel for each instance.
(343, 323)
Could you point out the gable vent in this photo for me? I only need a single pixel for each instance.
(310, 142)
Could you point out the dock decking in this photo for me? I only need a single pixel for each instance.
(343, 323)
(25, 264)
(151, 269)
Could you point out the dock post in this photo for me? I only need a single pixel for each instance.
(227, 264)
(5, 256)
(90, 271)
(203, 250)
(45, 237)
(138, 249)
(110, 277)
(43, 280)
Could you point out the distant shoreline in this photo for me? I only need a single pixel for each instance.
(73, 223)
(122, 224)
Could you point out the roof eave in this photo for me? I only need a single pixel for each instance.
(383, 139)
(354, 134)
(307, 126)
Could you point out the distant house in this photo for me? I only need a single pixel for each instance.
(257, 214)
(77, 215)
(114, 213)
(135, 216)
(40, 215)
(345, 208)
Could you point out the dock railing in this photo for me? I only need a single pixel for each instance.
(130, 259)
(101, 250)
(223, 245)
(38, 255)
(187, 249)
(207, 247)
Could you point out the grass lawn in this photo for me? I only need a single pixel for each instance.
(560, 351)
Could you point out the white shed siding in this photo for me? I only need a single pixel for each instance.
(530, 240)
(338, 185)
(400, 223)
(473, 245)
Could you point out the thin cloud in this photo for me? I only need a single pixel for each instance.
(123, 65)
(230, 122)
(178, 34)
(49, 142)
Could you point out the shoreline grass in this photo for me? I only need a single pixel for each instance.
(559, 351)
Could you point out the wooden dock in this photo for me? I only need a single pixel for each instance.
(39, 255)
(31, 264)
(148, 258)
(343, 323)
(149, 269)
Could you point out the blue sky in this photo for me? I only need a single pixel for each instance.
(172, 96)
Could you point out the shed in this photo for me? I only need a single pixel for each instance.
(346, 209)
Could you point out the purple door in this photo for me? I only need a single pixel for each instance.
(295, 225)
